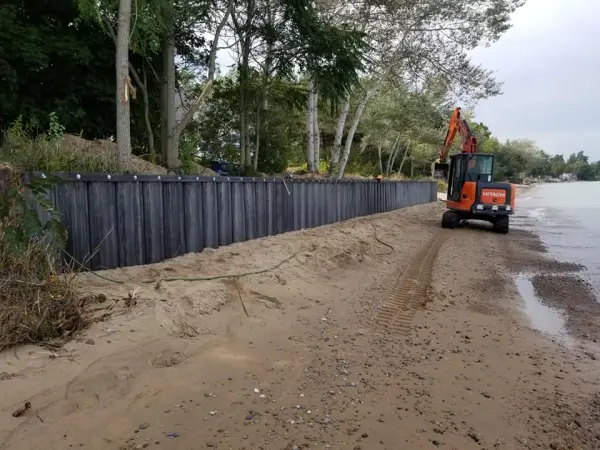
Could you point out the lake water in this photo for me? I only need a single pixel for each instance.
(566, 216)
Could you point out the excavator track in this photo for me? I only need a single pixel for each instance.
(410, 290)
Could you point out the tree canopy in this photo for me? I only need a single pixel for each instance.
(356, 86)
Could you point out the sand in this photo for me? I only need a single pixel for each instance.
(350, 344)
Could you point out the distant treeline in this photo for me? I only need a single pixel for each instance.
(516, 159)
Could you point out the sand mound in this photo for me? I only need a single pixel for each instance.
(182, 290)
(107, 151)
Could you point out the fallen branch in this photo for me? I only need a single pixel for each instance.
(232, 275)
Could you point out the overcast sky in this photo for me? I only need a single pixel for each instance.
(549, 62)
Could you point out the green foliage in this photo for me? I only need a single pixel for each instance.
(519, 159)
(48, 65)
(282, 133)
(29, 150)
(55, 129)
(187, 156)
(58, 76)
(36, 305)
(442, 186)
(20, 221)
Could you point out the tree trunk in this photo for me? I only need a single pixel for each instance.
(123, 86)
(392, 157)
(403, 158)
(247, 122)
(348, 145)
(212, 68)
(316, 133)
(257, 140)
(336, 150)
(244, 104)
(149, 131)
(393, 160)
(310, 149)
(170, 150)
(242, 124)
(380, 162)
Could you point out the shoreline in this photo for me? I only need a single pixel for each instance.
(310, 364)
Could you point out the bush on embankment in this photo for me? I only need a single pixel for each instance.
(29, 150)
(36, 305)
(442, 186)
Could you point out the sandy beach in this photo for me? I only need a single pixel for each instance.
(377, 333)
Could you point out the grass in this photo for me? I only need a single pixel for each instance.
(36, 305)
(60, 154)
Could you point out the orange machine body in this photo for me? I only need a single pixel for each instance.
(487, 196)
(472, 193)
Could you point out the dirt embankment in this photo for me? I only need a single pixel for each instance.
(350, 344)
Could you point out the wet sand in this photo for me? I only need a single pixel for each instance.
(350, 344)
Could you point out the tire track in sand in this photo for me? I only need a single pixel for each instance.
(410, 289)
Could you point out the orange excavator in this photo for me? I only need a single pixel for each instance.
(472, 193)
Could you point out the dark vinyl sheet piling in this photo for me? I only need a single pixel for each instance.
(126, 220)
(250, 210)
(154, 225)
(238, 212)
(224, 213)
(210, 215)
(261, 209)
(193, 218)
(295, 188)
(130, 224)
(271, 209)
(72, 202)
(103, 225)
(174, 217)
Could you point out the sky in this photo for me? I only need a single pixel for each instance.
(549, 62)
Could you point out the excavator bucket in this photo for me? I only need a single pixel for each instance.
(440, 170)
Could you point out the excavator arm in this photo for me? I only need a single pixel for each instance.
(469, 143)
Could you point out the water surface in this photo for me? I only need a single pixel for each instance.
(566, 217)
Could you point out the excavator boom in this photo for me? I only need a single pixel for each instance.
(469, 143)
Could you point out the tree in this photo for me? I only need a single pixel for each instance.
(187, 12)
(292, 36)
(281, 139)
(123, 86)
(413, 45)
(52, 62)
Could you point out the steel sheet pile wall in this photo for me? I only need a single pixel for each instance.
(130, 220)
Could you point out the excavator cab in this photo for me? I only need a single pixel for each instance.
(466, 167)
(472, 193)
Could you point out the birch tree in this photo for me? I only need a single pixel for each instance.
(292, 36)
(413, 41)
(217, 18)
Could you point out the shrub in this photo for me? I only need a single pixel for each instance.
(36, 305)
(53, 151)
(442, 186)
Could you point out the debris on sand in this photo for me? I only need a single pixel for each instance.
(19, 412)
